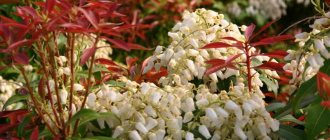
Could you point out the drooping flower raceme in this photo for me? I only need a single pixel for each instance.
(313, 50)
(146, 111)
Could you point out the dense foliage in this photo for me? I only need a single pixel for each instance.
(148, 69)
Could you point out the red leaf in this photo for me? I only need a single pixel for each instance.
(90, 17)
(87, 54)
(21, 58)
(130, 61)
(137, 47)
(105, 61)
(326, 104)
(218, 64)
(71, 25)
(272, 66)
(118, 44)
(35, 134)
(276, 54)
(50, 5)
(249, 31)
(229, 38)
(222, 45)
(263, 28)
(272, 40)
(323, 85)
(17, 44)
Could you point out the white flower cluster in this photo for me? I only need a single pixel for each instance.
(149, 112)
(184, 58)
(7, 89)
(272, 9)
(313, 50)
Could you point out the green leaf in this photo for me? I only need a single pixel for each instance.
(116, 83)
(275, 106)
(14, 99)
(21, 126)
(290, 133)
(87, 115)
(271, 84)
(305, 89)
(290, 118)
(317, 120)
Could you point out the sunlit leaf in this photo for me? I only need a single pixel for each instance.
(14, 99)
(87, 54)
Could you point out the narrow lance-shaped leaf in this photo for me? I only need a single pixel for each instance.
(222, 45)
(90, 17)
(272, 40)
(87, 54)
(249, 31)
(50, 5)
(317, 120)
(21, 58)
(276, 54)
(118, 43)
(263, 28)
(272, 66)
(35, 134)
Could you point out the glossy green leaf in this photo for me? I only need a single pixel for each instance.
(14, 99)
(271, 84)
(305, 89)
(290, 133)
(275, 106)
(290, 118)
(87, 115)
(317, 120)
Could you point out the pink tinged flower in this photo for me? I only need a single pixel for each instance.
(118, 131)
(141, 128)
(134, 135)
(189, 136)
(202, 129)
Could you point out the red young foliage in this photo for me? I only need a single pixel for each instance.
(323, 87)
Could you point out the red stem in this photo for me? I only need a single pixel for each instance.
(248, 66)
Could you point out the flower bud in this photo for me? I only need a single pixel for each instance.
(189, 136)
(188, 117)
(78, 87)
(134, 135)
(63, 96)
(142, 129)
(194, 43)
(202, 129)
(118, 131)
